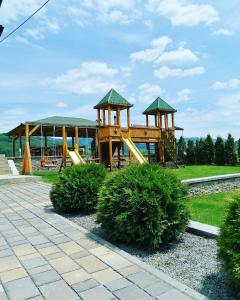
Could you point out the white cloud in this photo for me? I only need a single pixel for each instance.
(34, 33)
(165, 72)
(230, 84)
(90, 78)
(149, 92)
(223, 31)
(151, 54)
(181, 56)
(182, 13)
(183, 96)
(61, 105)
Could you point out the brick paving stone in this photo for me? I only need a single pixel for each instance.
(133, 292)
(6, 252)
(118, 284)
(80, 254)
(55, 255)
(85, 285)
(21, 289)
(99, 251)
(9, 263)
(64, 264)
(97, 293)
(48, 250)
(115, 260)
(91, 264)
(106, 276)
(13, 275)
(173, 294)
(158, 288)
(3, 295)
(143, 279)
(25, 249)
(70, 248)
(45, 277)
(39, 269)
(34, 262)
(58, 290)
(76, 276)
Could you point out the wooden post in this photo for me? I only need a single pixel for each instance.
(98, 118)
(64, 145)
(76, 139)
(166, 124)
(173, 124)
(128, 117)
(155, 119)
(147, 121)
(161, 152)
(118, 117)
(148, 151)
(159, 119)
(104, 117)
(109, 116)
(110, 153)
(73, 141)
(119, 155)
(99, 152)
(27, 163)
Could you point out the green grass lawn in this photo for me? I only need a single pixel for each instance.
(190, 172)
(47, 176)
(210, 209)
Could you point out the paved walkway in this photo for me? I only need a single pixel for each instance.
(44, 256)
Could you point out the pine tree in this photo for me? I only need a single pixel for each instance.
(209, 150)
(219, 152)
(239, 150)
(191, 153)
(197, 152)
(181, 149)
(230, 153)
(201, 152)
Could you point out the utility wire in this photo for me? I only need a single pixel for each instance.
(12, 32)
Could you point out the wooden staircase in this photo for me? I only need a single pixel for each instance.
(4, 167)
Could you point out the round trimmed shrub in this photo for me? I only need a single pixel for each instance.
(229, 242)
(142, 205)
(77, 187)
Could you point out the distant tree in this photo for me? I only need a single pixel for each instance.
(191, 159)
(219, 151)
(200, 152)
(230, 153)
(238, 150)
(197, 153)
(181, 149)
(209, 150)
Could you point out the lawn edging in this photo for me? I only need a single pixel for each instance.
(210, 179)
(203, 229)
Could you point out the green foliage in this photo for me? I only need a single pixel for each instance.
(191, 158)
(230, 153)
(229, 242)
(200, 152)
(219, 152)
(144, 205)
(238, 150)
(181, 149)
(5, 145)
(209, 150)
(76, 188)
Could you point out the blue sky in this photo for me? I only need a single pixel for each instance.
(66, 59)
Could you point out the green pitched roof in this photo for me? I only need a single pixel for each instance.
(113, 98)
(65, 121)
(159, 105)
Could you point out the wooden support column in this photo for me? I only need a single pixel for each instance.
(128, 118)
(110, 154)
(159, 119)
(73, 142)
(45, 141)
(119, 155)
(118, 117)
(109, 116)
(148, 151)
(64, 145)
(173, 124)
(166, 123)
(76, 139)
(27, 163)
(104, 117)
(155, 120)
(147, 121)
(161, 152)
(100, 152)
(98, 117)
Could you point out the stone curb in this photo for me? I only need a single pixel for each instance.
(211, 179)
(16, 179)
(203, 229)
(162, 276)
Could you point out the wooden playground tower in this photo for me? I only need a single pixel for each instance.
(111, 135)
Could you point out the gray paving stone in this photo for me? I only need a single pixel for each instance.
(58, 290)
(158, 288)
(21, 289)
(133, 292)
(118, 284)
(34, 262)
(38, 240)
(45, 277)
(97, 293)
(39, 269)
(143, 279)
(6, 252)
(85, 285)
(80, 254)
(173, 294)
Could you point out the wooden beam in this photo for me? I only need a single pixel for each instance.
(166, 124)
(109, 115)
(64, 145)
(27, 163)
(159, 120)
(98, 117)
(77, 137)
(173, 124)
(110, 154)
(147, 121)
(128, 118)
(34, 129)
(118, 117)
(148, 151)
(155, 120)
(104, 117)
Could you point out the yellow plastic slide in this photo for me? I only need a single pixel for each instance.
(75, 157)
(134, 150)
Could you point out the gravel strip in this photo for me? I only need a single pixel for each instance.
(214, 187)
(192, 260)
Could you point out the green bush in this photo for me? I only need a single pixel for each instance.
(229, 242)
(142, 205)
(76, 188)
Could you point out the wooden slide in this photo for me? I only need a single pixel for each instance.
(134, 150)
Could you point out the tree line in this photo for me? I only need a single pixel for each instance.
(206, 151)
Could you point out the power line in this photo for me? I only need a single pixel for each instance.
(12, 32)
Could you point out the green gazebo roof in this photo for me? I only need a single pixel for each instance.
(65, 121)
(159, 105)
(114, 99)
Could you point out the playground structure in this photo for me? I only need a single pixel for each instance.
(107, 133)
